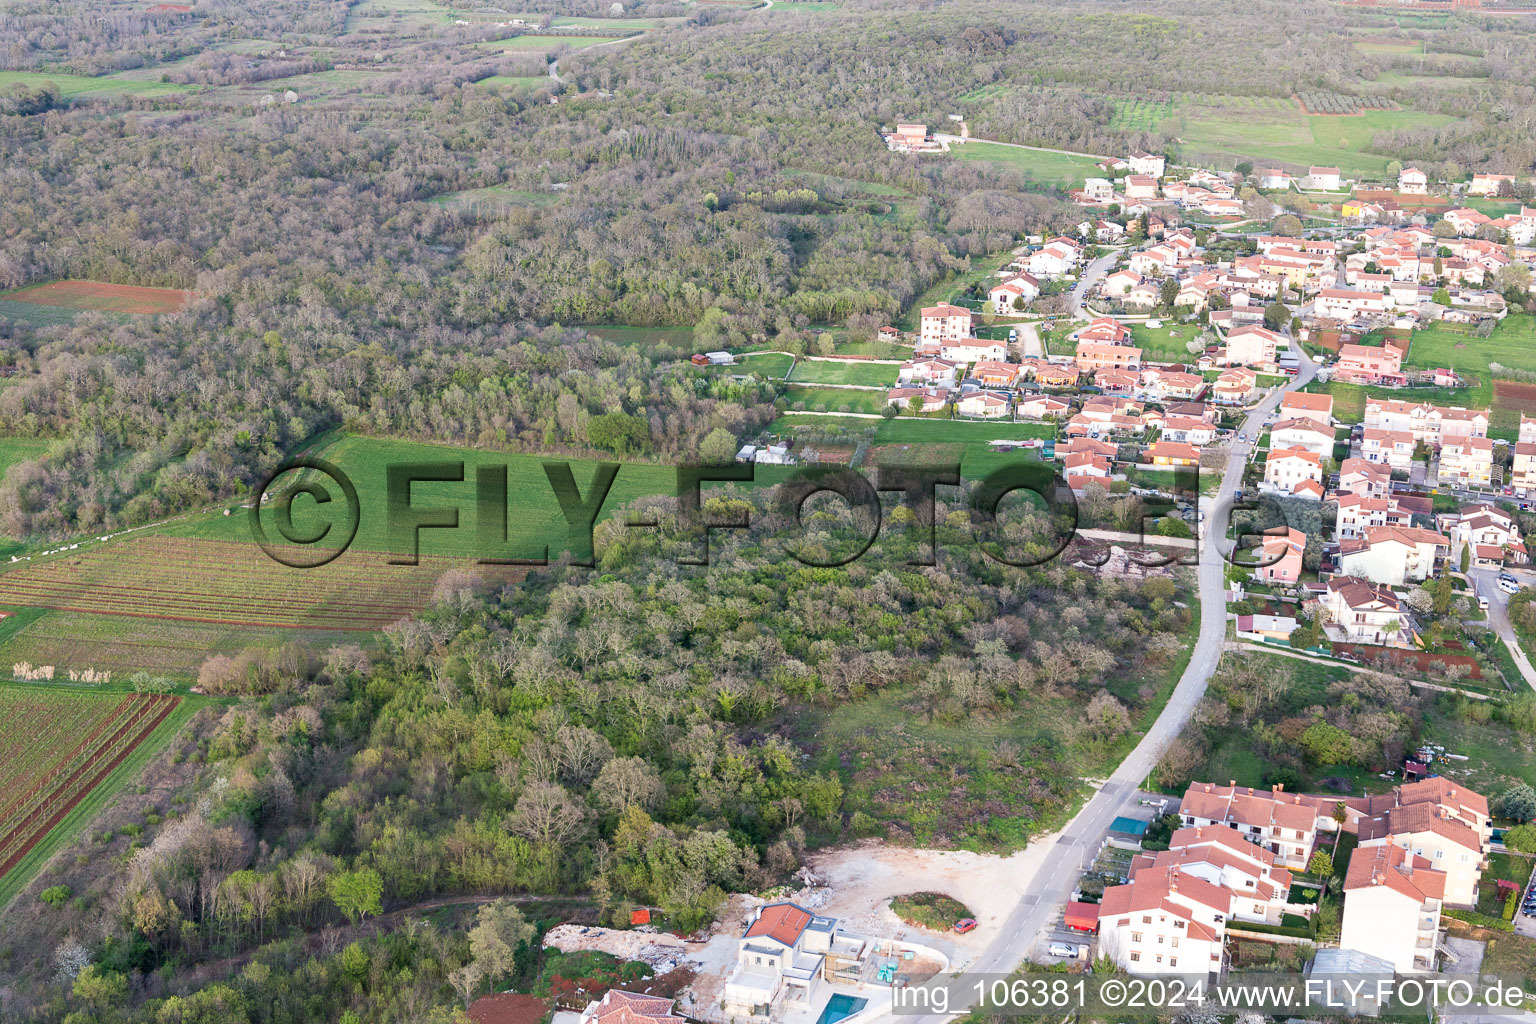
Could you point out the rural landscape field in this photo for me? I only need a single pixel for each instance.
(478, 540)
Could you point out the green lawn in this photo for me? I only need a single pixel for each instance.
(769, 364)
(1349, 400)
(817, 372)
(816, 399)
(1047, 168)
(1164, 344)
(71, 86)
(1512, 344)
(525, 43)
(967, 438)
(20, 449)
(515, 82)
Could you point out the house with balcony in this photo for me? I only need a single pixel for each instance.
(1364, 478)
(1392, 904)
(1393, 555)
(1306, 434)
(1360, 612)
(1293, 472)
(1391, 448)
(1299, 404)
(1284, 824)
(781, 959)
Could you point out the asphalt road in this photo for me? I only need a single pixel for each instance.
(1485, 583)
(1058, 874)
(1085, 284)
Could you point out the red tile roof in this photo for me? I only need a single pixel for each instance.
(782, 922)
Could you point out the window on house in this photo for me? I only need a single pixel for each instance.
(1135, 956)
(1173, 962)
(1135, 936)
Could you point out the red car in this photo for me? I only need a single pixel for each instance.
(965, 924)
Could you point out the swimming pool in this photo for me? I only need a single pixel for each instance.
(840, 1006)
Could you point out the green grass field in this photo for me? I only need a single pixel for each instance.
(817, 399)
(769, 364)
(1290, 136)
(966, 439)
(1140, 115)
(71, 86)
(1047, 168)
(19, 449)
(1164, 344)
(528, 43)
(514, 82)
(645, 337)
(82, 813)
(809, 371)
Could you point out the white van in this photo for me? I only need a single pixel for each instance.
(1509, 586)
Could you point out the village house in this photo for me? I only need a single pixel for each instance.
(781, 959)
(944, 323)
(1252, 346)
(987, 405)
(1280, 555)
(1413, 182)
(1172, 453)
(1428, 423)
(929, 399)
(1369, 364)
(1140, 186)
(1290, 471)
(934, 372)
(618, 1007)
(1158, 259)
(1364, 478)
(1053, 375)
(1117, 382)
(1172, 385)
(1283, 823)
(1357, 513)
(1162, 923)
(1119, 284)
(1189, 429)
(1392, 903)
(1105, 330)
(1324, 179)
(1439, 820)
(1055, 259)
(1222, 857)
(1393, 555)
(1005, 297)
(1358, 611)
(994, 374)
(1108, 232)
(1523, 472)
(1098, 191)
(1489, 184)
(972, 350)
(1466, 221)
(1041, 407)
(1234, 386)
(1391, 448)
(1271, 178)
(1305, 434)
(1493, 535)
(1147, 163)
(1466, 462)
(1091, 357)
(1082, 468)
(1346, 304)
(1296, 404)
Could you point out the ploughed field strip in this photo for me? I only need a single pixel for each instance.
(226, 582)
(59, 746)
(107, 298)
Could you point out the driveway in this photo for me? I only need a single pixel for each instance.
(1029, 341)
(1485, 584)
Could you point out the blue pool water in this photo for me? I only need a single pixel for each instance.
(840, 1006)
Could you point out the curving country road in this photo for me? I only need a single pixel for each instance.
(1057, 876)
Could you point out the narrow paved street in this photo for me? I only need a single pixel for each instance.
(1485, 584)
(1053, 884)
(1085, 284)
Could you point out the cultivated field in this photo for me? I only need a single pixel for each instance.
(78, 296)
(57, 747)
(71, 86)
(222, 583)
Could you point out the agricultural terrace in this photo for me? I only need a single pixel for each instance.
(58, 746)
(102, 297)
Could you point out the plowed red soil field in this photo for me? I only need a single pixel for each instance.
(107, 298)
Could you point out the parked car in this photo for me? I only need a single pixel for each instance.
(1509, 586)
(1061, 949)
(965, 924)
(1482, 604)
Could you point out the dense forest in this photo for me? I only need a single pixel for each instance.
(645, 736)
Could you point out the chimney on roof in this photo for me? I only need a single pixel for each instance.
(1232, 783)
(1277, 787)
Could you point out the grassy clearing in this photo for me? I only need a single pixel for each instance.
(769, 364)
(1057, 169)
(496, 198)
(1290, 136)
(527, 43)
(932, 910)
(20, 449)
(515, 82)
(930, 437)
(73, 86)
(950, 289)
(1349, 399)
(817, 399)
(811, 371)
(1140, 115)
(645, 337)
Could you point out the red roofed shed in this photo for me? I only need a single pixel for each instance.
(1083, 917)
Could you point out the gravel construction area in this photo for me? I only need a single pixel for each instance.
(661, 950)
